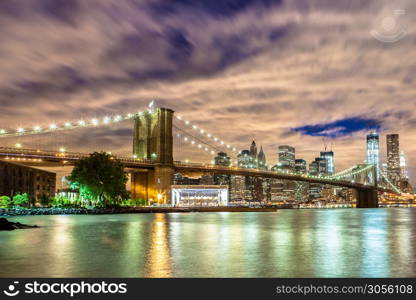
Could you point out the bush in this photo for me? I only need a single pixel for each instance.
(21, 200)
(63, 201)
(5, 201)
(135, 202)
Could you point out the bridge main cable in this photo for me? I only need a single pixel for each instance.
(94, 122)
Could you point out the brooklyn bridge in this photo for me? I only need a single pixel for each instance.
(158, 136)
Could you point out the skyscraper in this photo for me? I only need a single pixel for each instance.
(245, 160)
(403, 167)
(287, 157)
(222, 159)
(300, 166)
(318, 167)
(373, 151)
(261, 160)
(393, 158)
(253, 154)
(330, 163)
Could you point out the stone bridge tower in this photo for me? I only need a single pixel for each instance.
(153, 141)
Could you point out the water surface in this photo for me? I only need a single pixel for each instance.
(287, 243)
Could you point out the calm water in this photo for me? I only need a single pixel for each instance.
(288, 243)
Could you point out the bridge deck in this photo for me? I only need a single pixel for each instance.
(36, 157)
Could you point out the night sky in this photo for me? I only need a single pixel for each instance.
(280, 72)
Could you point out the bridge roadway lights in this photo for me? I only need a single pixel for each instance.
(367, 198)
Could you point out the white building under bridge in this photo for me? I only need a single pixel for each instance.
(199, 195)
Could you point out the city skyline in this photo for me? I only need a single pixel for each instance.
(278, 79)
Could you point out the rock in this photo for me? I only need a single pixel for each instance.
(7, 225)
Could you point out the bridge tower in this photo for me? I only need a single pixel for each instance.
(153, 141)
(368, 198)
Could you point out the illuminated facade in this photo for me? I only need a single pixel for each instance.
(286, 157)
(246, 160)
(393, 158)
(330, 162)
(300, 166)
(237, 188)
(403, 167)
(373, 151)
(261, 160)
(222, 159)
(200, 195)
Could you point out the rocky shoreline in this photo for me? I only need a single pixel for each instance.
(7, 225)
(12, 212)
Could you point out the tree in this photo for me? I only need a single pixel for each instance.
(5, 201)
(21, 199)
(102, 177)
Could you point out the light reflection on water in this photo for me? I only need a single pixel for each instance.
(288, 243)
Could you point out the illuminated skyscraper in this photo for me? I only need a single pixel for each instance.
(330, 163)
(373, 151)
(245, 160)
(318, 166)
(222, 159)
(287, 157)
(393, 157)
(403, 166)
(300, 166)
(261, 160)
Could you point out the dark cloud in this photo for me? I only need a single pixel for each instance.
(224, 8)
(340, 128)
(65, 11)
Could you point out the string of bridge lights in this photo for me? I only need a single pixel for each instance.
(346, 174)
(204, 133)
(341, 173)
(202, 146)
(94, 122)
(397, 190)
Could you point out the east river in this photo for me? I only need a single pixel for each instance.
(286, 243)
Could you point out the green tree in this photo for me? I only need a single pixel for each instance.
(102, 177)
(21, 199)
(5, 201)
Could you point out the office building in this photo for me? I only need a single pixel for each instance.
(261, 160)
(286, 158)
(393, 158)
(373, 151)
(300, 166)
(330, 162)
(222, 159)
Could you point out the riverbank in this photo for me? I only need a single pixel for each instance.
(124, 210)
